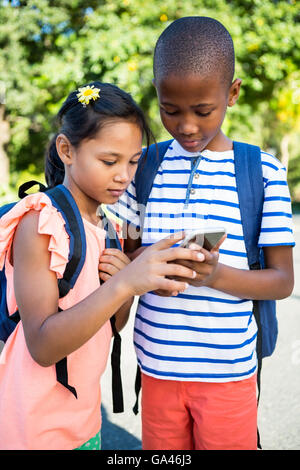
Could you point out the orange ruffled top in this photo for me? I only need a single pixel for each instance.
(37, 412)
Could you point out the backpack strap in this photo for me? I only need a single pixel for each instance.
(64, 202)
(112, 241)
(250, 188)
(137, 388)
(29, 184)
(148, 165)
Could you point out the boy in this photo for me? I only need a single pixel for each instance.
(197, 349)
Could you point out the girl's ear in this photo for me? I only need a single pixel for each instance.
(64, 149)
(234, 91)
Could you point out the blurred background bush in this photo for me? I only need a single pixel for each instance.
(48, 48)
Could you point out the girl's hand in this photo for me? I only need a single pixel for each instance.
(155, 269)
(111, 261)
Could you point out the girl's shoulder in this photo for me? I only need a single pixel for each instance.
(35, 215)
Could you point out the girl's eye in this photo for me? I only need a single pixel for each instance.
(109, 163)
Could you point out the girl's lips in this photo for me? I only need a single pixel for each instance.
(116, 192)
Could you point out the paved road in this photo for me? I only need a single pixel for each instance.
(279, 410)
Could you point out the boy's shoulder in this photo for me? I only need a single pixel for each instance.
(270, 164)
(271, 161)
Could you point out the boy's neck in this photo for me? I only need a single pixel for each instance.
(220, 143)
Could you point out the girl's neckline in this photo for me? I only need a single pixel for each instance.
(93, 226)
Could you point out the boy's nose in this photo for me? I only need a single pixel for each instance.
(188, 127)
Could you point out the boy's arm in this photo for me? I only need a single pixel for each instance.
(276, 281)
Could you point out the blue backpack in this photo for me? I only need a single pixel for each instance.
(249, 179)
(64, 202)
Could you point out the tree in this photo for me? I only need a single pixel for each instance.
(49, 48)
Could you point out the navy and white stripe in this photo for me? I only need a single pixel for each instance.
(203, 334)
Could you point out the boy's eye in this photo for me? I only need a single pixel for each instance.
(170, 113)
(134, 162)
(203, 114)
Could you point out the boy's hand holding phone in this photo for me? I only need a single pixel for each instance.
(208, 243)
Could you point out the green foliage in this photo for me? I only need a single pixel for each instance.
(48, 48)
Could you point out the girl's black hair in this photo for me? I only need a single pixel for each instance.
(78, 122)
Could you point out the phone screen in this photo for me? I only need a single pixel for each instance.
(211, 239)
(207, 239)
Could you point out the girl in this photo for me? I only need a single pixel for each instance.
(94, 155)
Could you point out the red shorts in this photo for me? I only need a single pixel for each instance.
(199, 415)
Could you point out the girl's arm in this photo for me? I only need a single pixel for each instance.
(51, 335)
(122, 314)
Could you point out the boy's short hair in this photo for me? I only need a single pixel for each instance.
(197, 45)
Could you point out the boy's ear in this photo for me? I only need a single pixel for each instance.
(64, 149)
(234, 91)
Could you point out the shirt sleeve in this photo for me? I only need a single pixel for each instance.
(277, 224)
(51, 223)
(127, 208)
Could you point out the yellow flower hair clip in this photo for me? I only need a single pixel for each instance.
(87, 93)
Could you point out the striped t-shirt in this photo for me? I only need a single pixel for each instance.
(203, 334)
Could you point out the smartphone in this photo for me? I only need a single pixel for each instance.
(207, 237)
